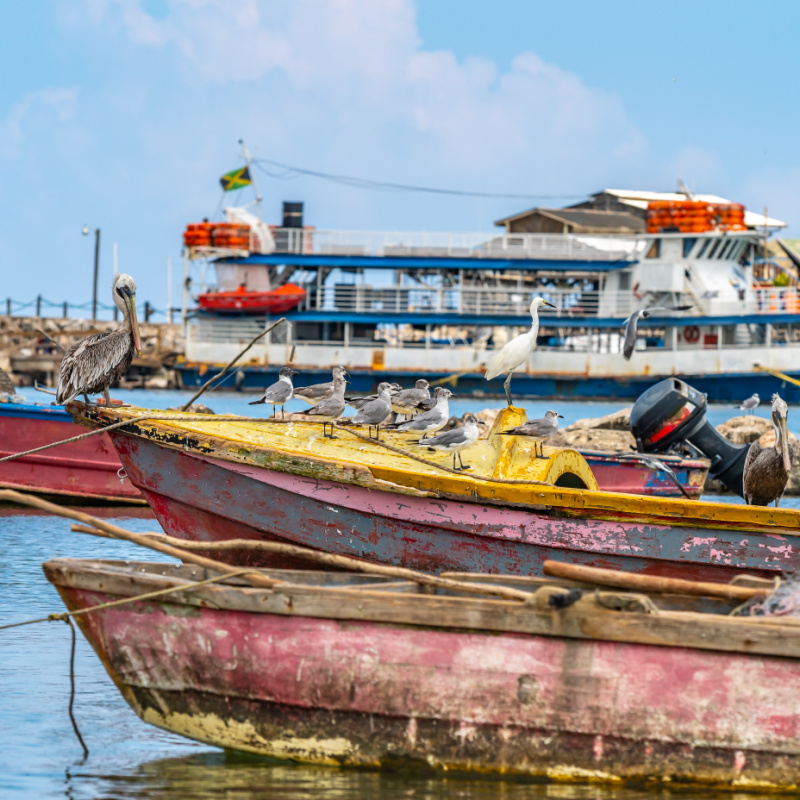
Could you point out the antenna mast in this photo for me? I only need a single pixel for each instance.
(248, 161)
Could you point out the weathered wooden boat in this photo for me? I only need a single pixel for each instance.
(354, 670)
(628, 473)
(87, 469)
(214, 480)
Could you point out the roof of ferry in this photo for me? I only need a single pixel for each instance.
(639, 199)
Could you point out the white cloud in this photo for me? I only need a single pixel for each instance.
(39, 108)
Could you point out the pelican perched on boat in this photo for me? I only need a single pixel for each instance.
(515, 353)
(94, 363)
(766, 469)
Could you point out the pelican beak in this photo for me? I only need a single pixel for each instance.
(545, 303)
(130, 302)
(787, 459)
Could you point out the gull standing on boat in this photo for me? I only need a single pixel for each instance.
(515, 353)
(456, 440)
(331, 408)
(630, 326)
(358, 402)
(319, 391)
(94, 363)
(433, 420)
(376, 411)
(751, 404)
(280, 392)
(766, 469)
(408, 401)
(538, 429)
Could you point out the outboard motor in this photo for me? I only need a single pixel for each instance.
(671, 412)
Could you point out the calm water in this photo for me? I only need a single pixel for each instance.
(40, 757)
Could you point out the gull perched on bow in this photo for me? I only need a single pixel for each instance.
(280, 392)
(538, 429)
(97, 361)
(319, 391)
(376, 411)
(751, 404)
(515, 353)
(630, 326)
(433, 420)
(407, 402)
(456, 440)
(359, 401)
(331, 408)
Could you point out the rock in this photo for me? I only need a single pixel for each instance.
(617, 421)
(613, 441)
(194, 408)
(744, 429)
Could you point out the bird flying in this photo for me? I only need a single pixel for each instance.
(515, 353)
(94, 363)
(630, 326)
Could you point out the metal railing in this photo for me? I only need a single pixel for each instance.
(458, 245)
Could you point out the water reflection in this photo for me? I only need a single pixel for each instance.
(214, 775)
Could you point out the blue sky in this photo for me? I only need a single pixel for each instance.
(122, 114)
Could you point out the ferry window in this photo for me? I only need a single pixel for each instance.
(655, 249)
(714, 248)
(688, 245)
(624, 281)
(727, 249)
(703, 248)
(737, 251)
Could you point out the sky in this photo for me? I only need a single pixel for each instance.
(122, 114)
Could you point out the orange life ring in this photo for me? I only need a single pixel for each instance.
(691, 334)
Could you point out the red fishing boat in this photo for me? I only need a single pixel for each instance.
(242, 301)
(88, 469)
(214, 480)
(664, 691)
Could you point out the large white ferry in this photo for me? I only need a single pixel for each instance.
(401, 305)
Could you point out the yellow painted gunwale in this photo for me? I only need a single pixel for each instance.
(249, 442)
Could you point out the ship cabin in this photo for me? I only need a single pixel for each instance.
(410, 304)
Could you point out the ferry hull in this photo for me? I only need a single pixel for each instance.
(86, 469)
(722, 388)
(360, 693)
(203, 498)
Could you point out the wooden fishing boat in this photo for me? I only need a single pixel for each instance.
(87, 469)
(353, 670)
(214, 480)
(627, 473)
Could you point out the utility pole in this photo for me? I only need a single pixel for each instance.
(86, 231)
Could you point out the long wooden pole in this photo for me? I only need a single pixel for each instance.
(649, 583)
(254, 578)
(231, 363)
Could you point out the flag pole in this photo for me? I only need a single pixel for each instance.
(248, 161)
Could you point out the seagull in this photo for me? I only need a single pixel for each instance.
(319, 391)
(433, 420)
(751, 404)
(331, 408)
(513, 354)
(407, 402)
(456, 440)
(766, 469)
(537, 428)
(631, 324)
(94, 363)
(279, 393)
(8, 392)
(376, 411)
(358, 402)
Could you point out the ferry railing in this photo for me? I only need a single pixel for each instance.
(433, 244)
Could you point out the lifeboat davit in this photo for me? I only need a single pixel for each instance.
(241, 301)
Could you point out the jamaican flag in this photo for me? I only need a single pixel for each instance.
(237, 179)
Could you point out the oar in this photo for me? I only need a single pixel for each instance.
(649, 583)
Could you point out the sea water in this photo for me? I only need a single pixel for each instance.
(39, 754)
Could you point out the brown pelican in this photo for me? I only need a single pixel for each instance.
(94, 363)
(766, 469)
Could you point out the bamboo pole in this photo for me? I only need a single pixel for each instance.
(650, 583)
